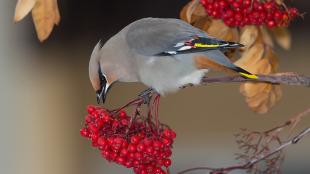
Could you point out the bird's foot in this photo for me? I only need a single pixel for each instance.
(146, 95)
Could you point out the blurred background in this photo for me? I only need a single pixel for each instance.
(44, 91)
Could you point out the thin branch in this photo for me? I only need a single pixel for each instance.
(287, 78)
(260, 156)
(249, 164)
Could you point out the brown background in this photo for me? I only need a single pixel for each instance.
(45, 89)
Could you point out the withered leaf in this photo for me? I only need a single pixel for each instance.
(232, 35)
(272, 58)
(193, 8)
(260, 97)
(251, 56)
(23, 7)
(279, 2)
(218, 29)
(282, 37)
(252, 89)
(45, 15)
(266, 36)
(248, 36)
(201, 22)
(258, 58)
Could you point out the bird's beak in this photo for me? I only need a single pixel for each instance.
(101, 93)
(100, 96)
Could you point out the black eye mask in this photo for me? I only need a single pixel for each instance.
(103, 84)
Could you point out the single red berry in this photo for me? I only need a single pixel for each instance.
(157, 170)
(167, 153)
(102, 141)
(113, 156)
(84, 132)
(136, 163)
(134, 139)
(124, 122)
(223, 3)
(123, 152)
(125, 144)
(173, 134)
(90, 109)
(93, 128)
(157, 144)
(115, 124)
(149, 150)
(128, 164)
(247, 3)
(105, 117)
(120, 160)
(131, 155)
(99, 123)
(105, 153)
(166, 141)
(138, 156)
(94, 137)
(88, 119)
(118, 141)
(110, 140)
(132, 148)
(271, 24)
(122, 114)
(268, 5)
(293, 12)
(167, 162)
(148, 142)
(140, 147)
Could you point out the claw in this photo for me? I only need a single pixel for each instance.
(146, 95)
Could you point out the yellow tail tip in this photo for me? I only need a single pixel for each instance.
(250, 76)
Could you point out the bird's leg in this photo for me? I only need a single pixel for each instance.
(146, 95)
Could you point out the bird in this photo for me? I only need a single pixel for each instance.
(164, 54)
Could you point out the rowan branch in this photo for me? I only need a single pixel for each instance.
(288, 78)
(260, 156)
(249, 164)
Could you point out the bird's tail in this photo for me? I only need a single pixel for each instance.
(232, 45)
(245, 73)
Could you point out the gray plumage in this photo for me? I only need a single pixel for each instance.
(134, 55)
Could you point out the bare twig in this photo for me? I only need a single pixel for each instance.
(287, 78)
(249, 164)
(263, 154)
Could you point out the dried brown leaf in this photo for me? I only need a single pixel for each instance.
(262, 67)
(266, 36)
(251, 56)
(279, 2)
(252, 89)
(272, 58)
(257, 100)
(206, 25)
(232, 35)
(201, 22)
(260, 59)
(248, 36)
(45, 15)
(23, 7)
(193, 8)
(183, 12)
(282, 37)
(218, 29)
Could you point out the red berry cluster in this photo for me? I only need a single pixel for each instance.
(129, 142)
(238, 13)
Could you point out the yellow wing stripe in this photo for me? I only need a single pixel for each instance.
(250, 76)
(200, 45)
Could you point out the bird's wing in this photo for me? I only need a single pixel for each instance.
(164, 37)
(167, 37)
